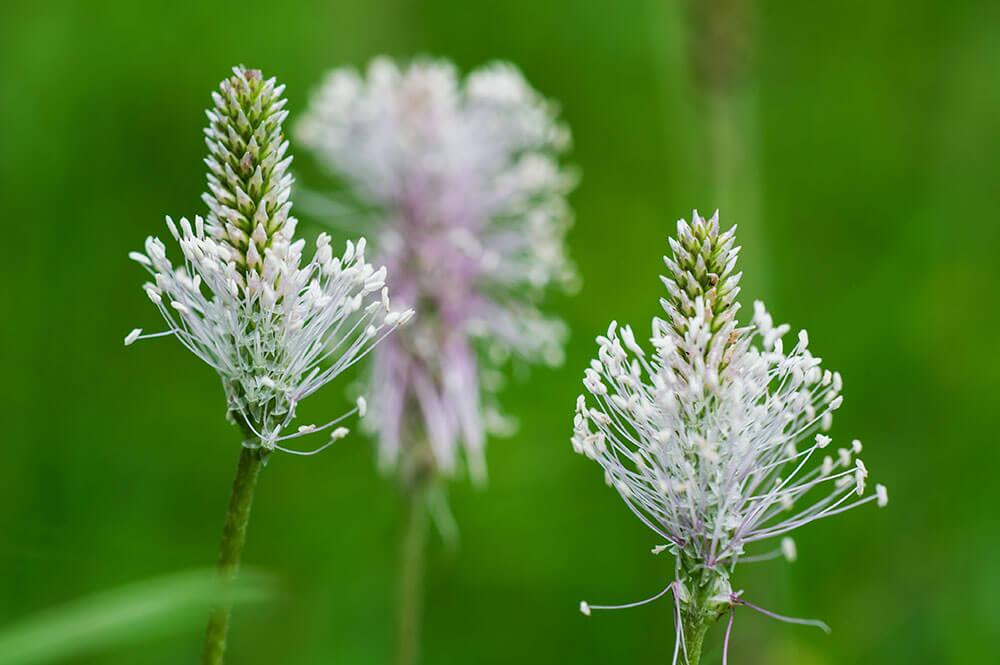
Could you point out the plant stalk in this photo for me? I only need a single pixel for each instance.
(694, 638)
(234, 535)
(412, 577)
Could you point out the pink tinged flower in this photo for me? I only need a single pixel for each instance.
(274, 325)
(472, 213)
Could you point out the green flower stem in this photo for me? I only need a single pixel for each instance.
(694, 637)
(412, 576)
(234, 535)
(702, 606)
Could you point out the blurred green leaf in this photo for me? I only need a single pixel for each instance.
(156, 607)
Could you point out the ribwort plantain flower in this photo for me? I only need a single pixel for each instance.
(715, 439)
(275, 327)
(471, 207)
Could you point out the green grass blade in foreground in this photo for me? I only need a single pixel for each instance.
(125, 615)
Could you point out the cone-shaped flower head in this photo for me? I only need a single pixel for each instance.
(274, 327)
(715, 437)
(472, 213)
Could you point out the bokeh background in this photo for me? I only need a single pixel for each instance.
(866, 187)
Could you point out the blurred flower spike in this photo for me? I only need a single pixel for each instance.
(471, 213)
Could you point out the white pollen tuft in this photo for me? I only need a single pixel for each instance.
(860, 466)
(132, 336)
(584, 608)
(788, 549)
(140, 258)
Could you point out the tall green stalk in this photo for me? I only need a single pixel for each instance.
(234, 535)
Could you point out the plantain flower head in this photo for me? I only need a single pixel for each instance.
(715, 434)
(275, 326)
(471, 214)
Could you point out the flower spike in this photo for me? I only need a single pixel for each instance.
(276, 327)
(713, 438)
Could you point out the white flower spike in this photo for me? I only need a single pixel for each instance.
(274, 326)
(710, 440)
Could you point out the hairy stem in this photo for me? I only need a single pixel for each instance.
(234, 535)
(694, 638)
(412, 578)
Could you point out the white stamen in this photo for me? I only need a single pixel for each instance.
(788, 549)
(882, 495)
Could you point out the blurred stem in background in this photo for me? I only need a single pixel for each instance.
(234, 534)
(720, 39)
(421, 487)
(411, 583)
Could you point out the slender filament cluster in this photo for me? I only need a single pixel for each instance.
(715, 437)
(471, 213)
(274, 326)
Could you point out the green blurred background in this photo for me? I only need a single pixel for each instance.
(873, 127)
